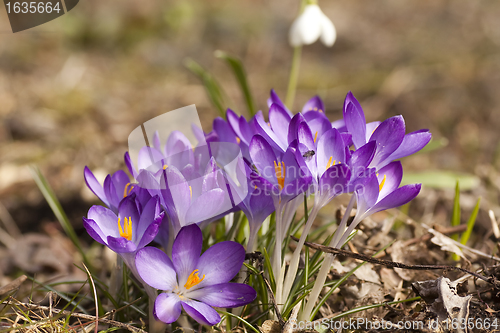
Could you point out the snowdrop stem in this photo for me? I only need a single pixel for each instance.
(294, 75)
(327, 264)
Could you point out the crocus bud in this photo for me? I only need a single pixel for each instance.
(311, 25)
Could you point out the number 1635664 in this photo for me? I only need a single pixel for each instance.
(32, 7)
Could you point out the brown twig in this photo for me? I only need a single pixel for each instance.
(391, 264)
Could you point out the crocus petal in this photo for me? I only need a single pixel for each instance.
(176, 143)
(330, 150)
(224, 131)
(388, 136)
(148, 156)
(120, 180)
(186, 251)
(201, 312)
(155, 268)
(94, 185)
(367, 195)
(149, 214)
(110, 191)
(167, 307)
(128, 209)
(328, 32)
(354, 118)
(181, 194)
(274, 98)
(265, 130)
(263, 157)
(399, 197)
(314, 104)
(156, 141)
(318, 123)
(279, 120)
(293, 127)
(391, 176)
(220, 263)
(361, 158)
(207, 205)
(105, 219)
(334, 181)
(94, 231)
(130, 165)
(152, 231)
(412, 142)
(370, 128)
(120, 245)
(224, 295)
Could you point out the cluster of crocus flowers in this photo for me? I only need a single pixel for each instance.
(258, 167)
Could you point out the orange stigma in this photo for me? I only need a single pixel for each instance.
(193, 279)
(315, 137)
(381, 185)
(279, 169)
(128, 188)
(126, 231)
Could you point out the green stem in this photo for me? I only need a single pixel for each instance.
(294, 75)
(327, 263)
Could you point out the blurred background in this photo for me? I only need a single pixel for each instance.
(73, 89)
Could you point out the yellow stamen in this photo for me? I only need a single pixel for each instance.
(238, 140)
(315, 109)
(315, 137)
(191, 192)
(127, 225)
(279, 169)
(329, 164)
(165, 167)
(320, 110)
(128, 188)
(381, 185)
(193, 279)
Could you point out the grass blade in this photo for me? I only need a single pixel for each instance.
(213, 88)
(56, 207)
(240, 74)
(470, 223)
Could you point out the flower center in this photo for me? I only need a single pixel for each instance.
(126, 231)
(193, 279)
(128, 188)
(279, 169)
(381, 185)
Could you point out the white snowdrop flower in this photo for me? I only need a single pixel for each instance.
(311, 25)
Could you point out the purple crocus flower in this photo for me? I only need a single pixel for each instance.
(133, 228)
(193, 282)
(257, 204)
(380, 192)
(285, 174)
(116, 187)
(390, 138)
